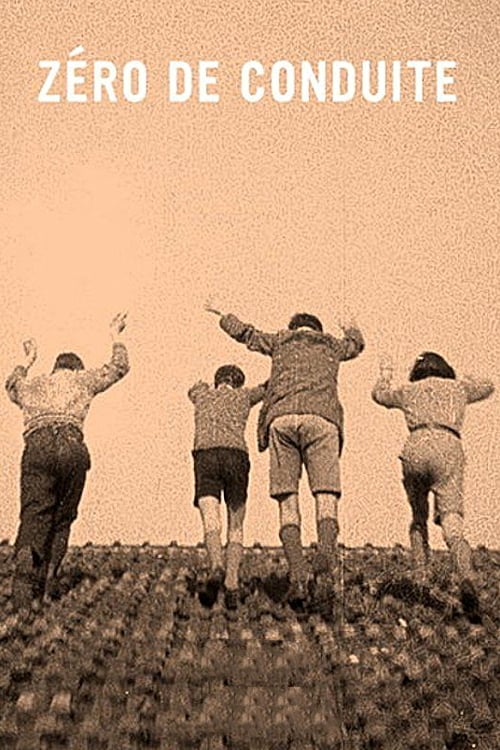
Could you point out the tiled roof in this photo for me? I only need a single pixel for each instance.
(128, 658)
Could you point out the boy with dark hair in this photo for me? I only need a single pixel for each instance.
(222, 465)
(301, 422)
(433, 459)
(55, 460)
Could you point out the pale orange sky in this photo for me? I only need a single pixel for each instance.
(388, 209)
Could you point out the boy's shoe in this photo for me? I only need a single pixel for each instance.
(231, 599)
(470, 601)
(297, 593)
(208, 595)
(324, 596)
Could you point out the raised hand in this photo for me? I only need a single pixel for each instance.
(346, 321)
(30, 351)
(386, 364)
(118, 324)
(210, 307)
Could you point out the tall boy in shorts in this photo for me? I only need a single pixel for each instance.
(222, 465)
(302, 424)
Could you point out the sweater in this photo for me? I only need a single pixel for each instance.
(432, 400)
(221, 414)
(63, 396)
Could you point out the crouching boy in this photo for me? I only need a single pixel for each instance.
(222, 465)
(433, 459)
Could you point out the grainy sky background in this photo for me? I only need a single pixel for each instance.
(390, 210)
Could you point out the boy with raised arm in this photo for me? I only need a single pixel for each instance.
(222, 465)
(55, 459)
(434, 404)
(302, 424)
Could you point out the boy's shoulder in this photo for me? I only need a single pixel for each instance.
(313, 338)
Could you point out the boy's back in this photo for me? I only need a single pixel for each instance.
(221, 415)
(433, 400)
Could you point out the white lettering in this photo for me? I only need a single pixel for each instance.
(53, 66)
(252, 66)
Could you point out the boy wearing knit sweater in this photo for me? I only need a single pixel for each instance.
(434, 404)
(222, 466)
(55, 459)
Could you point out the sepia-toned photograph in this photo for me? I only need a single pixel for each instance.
(250, 291)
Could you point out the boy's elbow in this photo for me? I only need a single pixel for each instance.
(489, 389)
(381, 397)
(122, 368)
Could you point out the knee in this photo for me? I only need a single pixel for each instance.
(235, 535)
(289, 510)
(210, 513)
(418, 524)
(327, 505)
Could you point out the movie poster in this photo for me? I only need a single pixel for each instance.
(266, 159)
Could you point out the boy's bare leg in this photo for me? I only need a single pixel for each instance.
(234, 551)
(290, 537)
(210, 514)
(327, 528)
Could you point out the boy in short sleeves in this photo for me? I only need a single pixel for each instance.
(221, 467)
(433, 460)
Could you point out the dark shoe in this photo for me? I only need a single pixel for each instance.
(297, 594)
(470, 601)
(231, 599)
(208, 595)
(320, 564)
(324, 596)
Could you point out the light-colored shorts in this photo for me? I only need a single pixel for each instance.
(433, 461)
(296, 439)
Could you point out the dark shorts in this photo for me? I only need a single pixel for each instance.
(218, 470)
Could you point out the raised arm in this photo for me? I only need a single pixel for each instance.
(383, 392)
(20, 372)
(257, 394)
(101, 378)
(352, 343)
(244, 333)
(197, 390)
(476, 390)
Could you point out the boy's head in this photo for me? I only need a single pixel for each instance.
(304, 320)
(68, 361)
(231, 375)
(431, 365)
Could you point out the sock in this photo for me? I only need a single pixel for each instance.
(462, 556)
(214, 549)
(58, 551)
(234, 553)
(328, 530)
(292, 546)
(419, 547)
